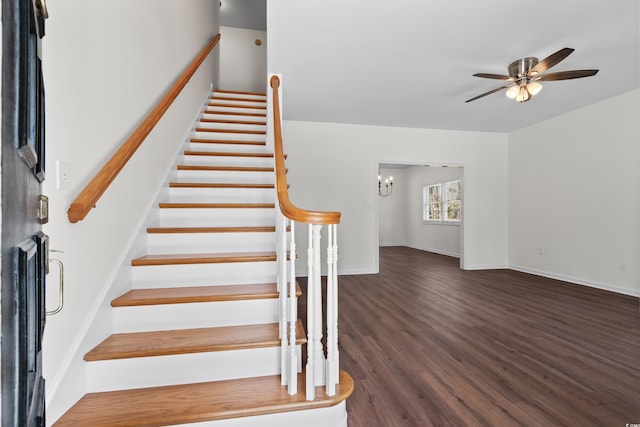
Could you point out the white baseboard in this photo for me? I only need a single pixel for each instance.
(347, 272)
(577, 281)
(435, 251)
(485, 267)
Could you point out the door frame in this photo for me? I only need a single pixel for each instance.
(24, 247)
(388, 163)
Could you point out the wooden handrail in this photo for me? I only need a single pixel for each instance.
(87, 199)
(289, 209)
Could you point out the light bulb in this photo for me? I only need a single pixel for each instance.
(513, 92)
(534, 88)
(523, 94)
(390, 179)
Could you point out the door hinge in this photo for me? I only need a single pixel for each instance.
(43, 209)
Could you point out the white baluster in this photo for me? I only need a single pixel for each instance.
(336, 351)
(330, 381)
(281, 250)
(310, 370)
(332, 308)
(293, 315)
(318, 349)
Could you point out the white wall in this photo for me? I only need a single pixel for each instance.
(243, 64)
(334, 167)
(392, 209)
(1, 201)
(439, 238)
(106, 64)
(574, 194)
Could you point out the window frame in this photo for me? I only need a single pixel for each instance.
(443, 201)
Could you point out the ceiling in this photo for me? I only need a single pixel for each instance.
(410, 63)
(247, 14)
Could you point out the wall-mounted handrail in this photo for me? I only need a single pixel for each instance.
(289, 209)
(87, 199)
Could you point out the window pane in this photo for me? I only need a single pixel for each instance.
(433, 205)
(453, 190)
(434, 193)
(435, 211)
(453, 210)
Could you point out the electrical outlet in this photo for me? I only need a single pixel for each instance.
(541, 250)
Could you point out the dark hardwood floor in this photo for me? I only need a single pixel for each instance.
(429, 344)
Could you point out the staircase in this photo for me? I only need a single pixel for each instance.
(196, 340)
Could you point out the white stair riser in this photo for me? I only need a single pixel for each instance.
(235, 148)
(238, 102)
(240, 95)
(211, 114)
(333, 416)
(221, 217)
(222, 195)
(182, 368)
(233, 109)
(194, 315)
(258, 115)
(240, 177)
(235, 273)
(234, 126)
(226, 135)
(258, 162)
(163, 243)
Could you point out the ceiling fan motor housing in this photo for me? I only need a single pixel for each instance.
(520, 68)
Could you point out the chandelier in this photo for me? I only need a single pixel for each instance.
(388, 186)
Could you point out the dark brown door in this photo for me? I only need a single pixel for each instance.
(24, 246)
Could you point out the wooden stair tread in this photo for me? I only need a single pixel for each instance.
(206, 258)
(220, 130)
(184, 341)
(233, 122)
(235, 113)
(226, 141)
(199, 402)
(239, 92)
(194, 294)
(186, 205)
(226, 154)
(231, 98)
(184, 230)
(250, 107)
(224, 168)
(217, 185)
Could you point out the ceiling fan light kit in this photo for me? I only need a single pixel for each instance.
(526, 73)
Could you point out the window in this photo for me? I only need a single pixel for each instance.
(452, 200)
(433, 202)
(442, 202)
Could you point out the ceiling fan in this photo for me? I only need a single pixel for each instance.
(526, 73)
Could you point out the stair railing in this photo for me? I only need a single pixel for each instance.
(89, 196)
(320, 371)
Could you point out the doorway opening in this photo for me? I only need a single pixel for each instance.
(404, 217)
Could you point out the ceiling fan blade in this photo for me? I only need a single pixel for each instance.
(498, 89)
(551, 60)
(565, 75)
(493, 76)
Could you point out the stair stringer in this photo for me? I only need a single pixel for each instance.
(70, 383)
